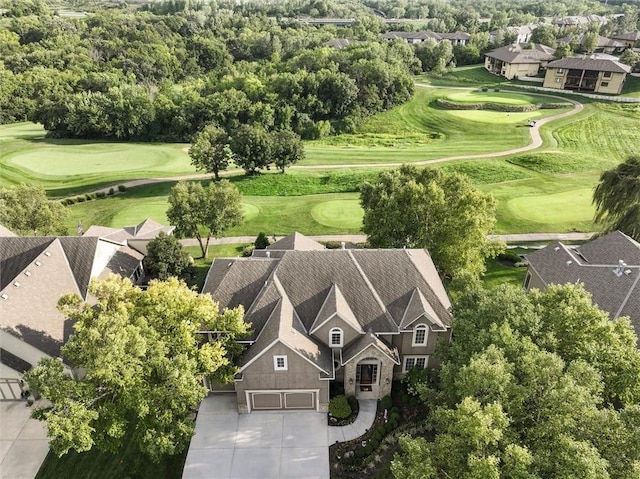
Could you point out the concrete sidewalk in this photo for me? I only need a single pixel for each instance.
(23, 441)
(363, 422)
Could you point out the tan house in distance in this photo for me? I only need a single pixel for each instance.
(357, 317)
(598, 75)
(518, 60)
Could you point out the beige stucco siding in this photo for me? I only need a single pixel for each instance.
(349, 334)
(403, 343)
(300, 374)
(556, 78)
(536, 281)
(515, 70)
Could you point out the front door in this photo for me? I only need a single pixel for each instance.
(367, 378)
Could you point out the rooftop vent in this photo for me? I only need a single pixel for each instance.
(268, 254)
(620, 268)
(27, 273)
(627, 272)
(4, 296)
(557, 248)
(38, 263)
(342, 245)
(16, 284)
(46, 253)
(569, 262)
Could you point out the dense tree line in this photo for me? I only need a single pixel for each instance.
(149, 76)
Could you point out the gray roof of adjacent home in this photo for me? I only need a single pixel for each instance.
(341, 42)
(588, 63)
(615, 287)
(36, 271)
(368, 289)
(147, 229)
(425, 35)
(522, 53)
(295, 241)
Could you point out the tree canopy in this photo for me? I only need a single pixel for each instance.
(427, 208)
(26, 210)
(213, 209)
(166, 258)
(617, 198)
(139, 366)
(210, 150)
(532, 386)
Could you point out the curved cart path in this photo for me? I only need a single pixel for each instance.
(536, 142)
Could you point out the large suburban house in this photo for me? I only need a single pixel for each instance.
(520, 34)
(603, 44)
(630, 39)
(576, 21)
(35, 271)
(586, 73)
(518, 60)
(457, 38)
(608, 267)
(359, 317)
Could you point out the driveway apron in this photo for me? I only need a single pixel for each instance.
(260, 445)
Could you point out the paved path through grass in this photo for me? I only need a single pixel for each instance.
(536, 142)
(511, 238)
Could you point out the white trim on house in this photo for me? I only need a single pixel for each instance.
(280, 362)
(415, 358)
(420, 327)
(275, 341)
(339, 343)
(395, 361)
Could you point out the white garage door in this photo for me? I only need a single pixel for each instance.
(273, 400)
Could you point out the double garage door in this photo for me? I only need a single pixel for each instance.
(281, 400)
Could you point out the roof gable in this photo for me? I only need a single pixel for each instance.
(417, 308)
(365, 342)
(296, 241)
(335, 305)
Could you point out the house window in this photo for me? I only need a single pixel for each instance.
(420, 335)
(559, 71)
(604, 83)
(607, 75)
(280, 363)
(411, 362)
(335, 338)
(527, 280)
(557, 80)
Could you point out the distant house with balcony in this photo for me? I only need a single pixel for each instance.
(518, 60)
(587, 73)
(576, 21)
(603, 44)
(630, 39)
(519, 34)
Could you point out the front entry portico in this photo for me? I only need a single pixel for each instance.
(367, 379)
(368, 371)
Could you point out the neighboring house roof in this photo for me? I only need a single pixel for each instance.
(341, 42)
(370, 290)
(615, 287)
(588, 63)
(296, 241)
(523, 53)
(631, 36)
(515, 30)
(602, 42)
(425, 35)
(4, 232)
(36, 271)
(148, 229)
(581, 20)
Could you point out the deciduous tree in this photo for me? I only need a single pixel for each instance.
(286, 148)
(140, 365)
(26, 210)
(213, 209)
(426, 208)
(210, 150)
(166, 257)
(617, 198)
(252, 147)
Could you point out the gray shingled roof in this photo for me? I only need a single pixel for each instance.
(370, 288)
(296, 241)
(587, 63)
(594, 265)
(147, 229)
(601, 42)
(520, 53)
(633, 36)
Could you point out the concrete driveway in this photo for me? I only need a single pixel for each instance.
(261, 445)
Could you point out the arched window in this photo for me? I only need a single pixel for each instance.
(419, 335)
(335, 338)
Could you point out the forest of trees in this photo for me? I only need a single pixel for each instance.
(165, 70)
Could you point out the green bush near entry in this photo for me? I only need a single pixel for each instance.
(339, 407)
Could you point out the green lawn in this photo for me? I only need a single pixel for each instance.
(64, 166)
(500, 98)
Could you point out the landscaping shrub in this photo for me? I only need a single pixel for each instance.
(368, 449)
(332, 244)
(359, 452)
(339, 407)
(89, 196)
(111, 191)
(510, 256)
(375, 444)
(353, 403)
(68, 201)
(386, 402)
(248, 250)
(261, 241)
(414, 380)
(80, 199)
(122, 188)
(101, 194)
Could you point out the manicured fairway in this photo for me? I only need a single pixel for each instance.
(500, 98)
(574, 205)
(64, 165)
